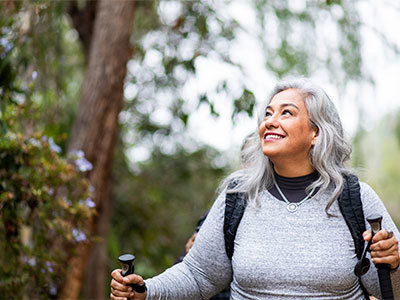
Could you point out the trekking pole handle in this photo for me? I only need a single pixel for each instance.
(128, 268)
(383, 269)
(363, 263)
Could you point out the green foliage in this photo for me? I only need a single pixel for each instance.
(172, 37)
(41, 58)
(44, 202)
(44, 197)
(397, 127)
(295, 44)
(358, 155)
(166, 52)
(157, 207)
(378, 159)
(245, 103)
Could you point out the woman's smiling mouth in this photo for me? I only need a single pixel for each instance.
(271, 136)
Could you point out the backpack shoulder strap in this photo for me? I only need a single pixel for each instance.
(351, 207)
(235, 204)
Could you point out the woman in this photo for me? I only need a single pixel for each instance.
(283, 250)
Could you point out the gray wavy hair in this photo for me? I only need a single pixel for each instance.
(327, 156)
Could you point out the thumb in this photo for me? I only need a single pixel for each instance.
(367, 235)
(133, 278)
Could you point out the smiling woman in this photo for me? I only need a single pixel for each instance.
(287, 134)
(292, 241)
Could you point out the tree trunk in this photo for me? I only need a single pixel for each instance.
(96, 125)
(96, 271)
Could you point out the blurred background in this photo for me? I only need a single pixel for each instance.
(120, 118)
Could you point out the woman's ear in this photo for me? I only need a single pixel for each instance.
(314, 139)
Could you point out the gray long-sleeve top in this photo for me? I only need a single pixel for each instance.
(277, 254)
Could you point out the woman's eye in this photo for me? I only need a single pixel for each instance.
(287, 112)
(267, 114)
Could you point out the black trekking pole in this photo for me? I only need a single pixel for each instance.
(383, 269)
(128, 268)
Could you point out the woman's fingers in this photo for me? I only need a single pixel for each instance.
(385, 249)
(190, 242)
(382, 252)
(118, 295)
(116, 274)
(381, 235)
(387, 256)
(367, 235)
(112, 297)
(389, 260)
(119, 291)
(383, 245)
(133, 278)
(120, 288)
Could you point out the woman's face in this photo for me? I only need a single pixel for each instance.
(286, 133)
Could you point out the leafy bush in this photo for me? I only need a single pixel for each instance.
(44, 202)
(45, 197)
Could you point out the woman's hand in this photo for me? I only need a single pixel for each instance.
(120, 290)
(190, 242)
(384, 248)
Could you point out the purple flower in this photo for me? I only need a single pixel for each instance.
(49, 266)
(67, 201)
(84, 165)
(7, 46)
(11, 135)
(90, 203)
(53, 289)
(32, 262)
(53, 146)
(78, 235)
(78, 153)
(81, 162)
(35, 142)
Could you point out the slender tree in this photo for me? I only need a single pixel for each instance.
(96, 125)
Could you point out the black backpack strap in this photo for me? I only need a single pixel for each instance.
(235, 204)
(351, 207)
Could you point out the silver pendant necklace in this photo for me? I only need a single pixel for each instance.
(292, 206)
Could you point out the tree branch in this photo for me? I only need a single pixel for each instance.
(83, 21)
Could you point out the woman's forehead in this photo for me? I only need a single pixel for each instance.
(287, 97)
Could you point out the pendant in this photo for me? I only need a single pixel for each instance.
(292, 207)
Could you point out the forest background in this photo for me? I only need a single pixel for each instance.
(120, 118)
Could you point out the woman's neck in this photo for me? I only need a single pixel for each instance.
(293, 170)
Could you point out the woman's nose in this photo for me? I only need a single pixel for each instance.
(271, 121)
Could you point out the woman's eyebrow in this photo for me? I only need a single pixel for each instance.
(284, 105)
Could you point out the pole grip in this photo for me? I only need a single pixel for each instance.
(128, 268)
(138, 288)
(383, 269)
